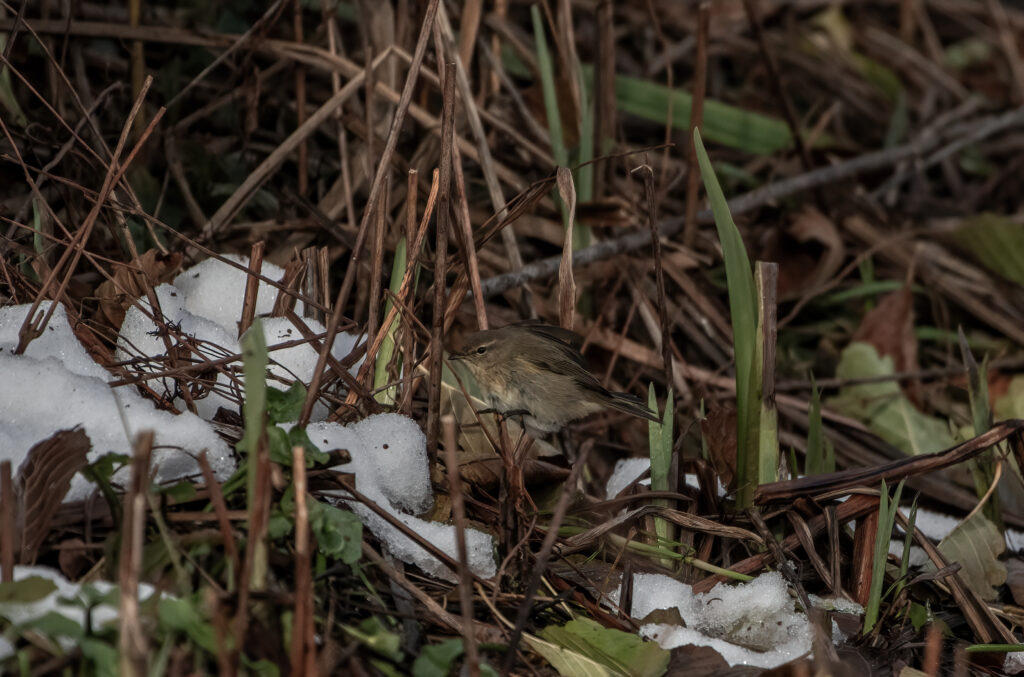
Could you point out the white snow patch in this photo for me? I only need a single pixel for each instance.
(753, 623)
(68, 599)
(389, 461)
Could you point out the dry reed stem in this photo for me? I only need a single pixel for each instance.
(132, 642)
(251, 287)
(459, 518)
(7, 536)
(700, 81)
(440, 263)
(303, 649)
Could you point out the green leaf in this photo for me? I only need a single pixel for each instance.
(297, 437)
(621, 652)
(279, 445)
(547, 81)
(996, 242)
(374, 636)
(569, 663)
(1011, 403)
(436, 660)
(180, 491)
(27, 590)
(182, 615)
(339, 533)
(743, 309)
(54, 624)
(918, 615)
(285, 405)
(260, 668)
(103, 656)
(386, 352)
(723, 123)
(883, 407)
(976, 544)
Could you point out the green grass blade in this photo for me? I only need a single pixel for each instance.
(814, 464)
(724, 124)
(547, 82)
(743, 309)
(387, 346)
(659, 445)
(254, 367)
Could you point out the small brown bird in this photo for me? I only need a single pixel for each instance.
(536, 371)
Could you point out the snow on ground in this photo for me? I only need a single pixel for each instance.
(628, 469)
(69, 600)
(56, 385)
(389, 460)
(755, 623)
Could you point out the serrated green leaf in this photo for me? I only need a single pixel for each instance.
(284, 406)
(339, 533)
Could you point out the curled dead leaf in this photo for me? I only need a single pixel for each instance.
(117, 295)
(809, 251)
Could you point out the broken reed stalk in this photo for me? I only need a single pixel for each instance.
(253, 575)
(566, 281)
(303, 650)
(403, 290)
(459, 518)
(411, 258)
(659, 270)
(466, 241)
(220, 509)
(132, 644)
(300, 101)
(766, 277)
(251, 286)
(6, 523)
(863, 555)
(377, 266)
(700, 80)
(440, 261)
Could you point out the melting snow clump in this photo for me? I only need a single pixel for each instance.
(753, 623)
(55, 385)
(68, 600)
(389, 461)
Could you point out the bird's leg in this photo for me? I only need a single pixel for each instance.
(514, 413)
(568, 448)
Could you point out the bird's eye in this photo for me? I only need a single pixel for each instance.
(481, 350)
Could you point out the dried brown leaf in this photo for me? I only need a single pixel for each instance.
(889, 327)
(566, 282)
(809, 252)
(117, 295)
(719, 431)
(41, 484)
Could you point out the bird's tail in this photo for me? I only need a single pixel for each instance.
(631, 404)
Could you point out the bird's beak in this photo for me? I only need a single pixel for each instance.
(456, 356)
